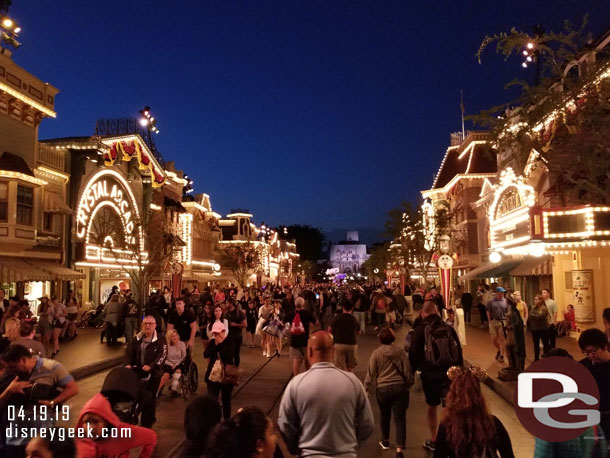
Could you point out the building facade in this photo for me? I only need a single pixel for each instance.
(348, 255)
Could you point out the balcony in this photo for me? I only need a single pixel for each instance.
(50, 157)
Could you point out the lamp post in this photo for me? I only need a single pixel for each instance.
(531, 51)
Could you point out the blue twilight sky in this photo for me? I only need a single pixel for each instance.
(322, 112)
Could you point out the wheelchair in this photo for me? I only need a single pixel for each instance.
(189, 380)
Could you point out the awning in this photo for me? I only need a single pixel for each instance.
(14, 270)
(59, 272)
(472, 275)
(54, 204)
(500, 270)
(534, 267)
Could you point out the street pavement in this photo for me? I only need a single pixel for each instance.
(265, 389)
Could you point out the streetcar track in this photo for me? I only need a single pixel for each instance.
(241, 386)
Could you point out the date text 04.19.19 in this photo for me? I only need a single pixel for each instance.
(39, 413)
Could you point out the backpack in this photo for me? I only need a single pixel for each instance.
(297, 328)
(441, 348)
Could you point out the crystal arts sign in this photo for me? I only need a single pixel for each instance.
(108, 189)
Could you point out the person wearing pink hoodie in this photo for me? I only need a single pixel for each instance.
(99, 417)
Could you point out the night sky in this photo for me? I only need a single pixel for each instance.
(317, 112)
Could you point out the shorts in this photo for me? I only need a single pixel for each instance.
(251, 326)
(346, 356)
(72, 316)
(298, 352)
(168, 370)
(495, 327)
(58, 324)
(436, 387)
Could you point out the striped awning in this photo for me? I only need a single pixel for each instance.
(58, 272)
(14, 270)
(472, 275)
(54, 204)
(534, 267)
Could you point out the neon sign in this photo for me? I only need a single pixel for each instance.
(108, 189)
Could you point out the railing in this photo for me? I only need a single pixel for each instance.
(50, 157)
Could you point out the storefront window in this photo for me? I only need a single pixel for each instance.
(25, 205)
(4, 202)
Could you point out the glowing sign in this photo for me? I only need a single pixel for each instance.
(108, 188)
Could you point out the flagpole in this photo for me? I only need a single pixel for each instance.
(462, 109)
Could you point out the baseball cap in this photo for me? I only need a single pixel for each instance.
(499, 289)
(218, 327)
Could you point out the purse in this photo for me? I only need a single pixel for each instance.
(275, 328)
(217, 374)
(232, 374)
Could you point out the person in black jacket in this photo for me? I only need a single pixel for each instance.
(435, 382)
(146, 357)
(220, 347)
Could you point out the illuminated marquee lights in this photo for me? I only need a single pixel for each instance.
(589, 213)
(108, 188)
(186, 223)
(21, 176)
(527, 198)
(53, 173)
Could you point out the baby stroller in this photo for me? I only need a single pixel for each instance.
(122, 388)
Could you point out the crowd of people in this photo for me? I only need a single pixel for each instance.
(322, 324)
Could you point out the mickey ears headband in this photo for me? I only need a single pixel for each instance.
(455, 371)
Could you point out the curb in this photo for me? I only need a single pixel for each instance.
(99, 366)
(503, 390)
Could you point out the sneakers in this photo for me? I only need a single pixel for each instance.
(429, 445)
(385, 444)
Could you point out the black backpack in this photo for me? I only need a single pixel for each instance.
(441, 348)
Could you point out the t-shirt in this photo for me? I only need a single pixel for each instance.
(300, 340)
(182, 323)
(35, 347)
(344, 328)
(50, 372)
(497, 308)
(236, 316)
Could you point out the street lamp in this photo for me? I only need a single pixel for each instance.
(9, 31)
(146, 120)
(531, 51)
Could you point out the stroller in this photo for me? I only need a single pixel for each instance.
(122, 387)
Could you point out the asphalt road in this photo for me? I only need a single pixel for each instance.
(265, 388)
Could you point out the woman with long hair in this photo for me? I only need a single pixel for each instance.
(248, 434)
(176, 352)
(538, 322)
(467, 428)
(217, 316)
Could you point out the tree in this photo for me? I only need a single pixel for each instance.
(241, 259)
(562, 123)
(140, 257)
(309, 241)
(375, 265)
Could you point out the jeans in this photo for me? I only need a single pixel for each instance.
(393, 399)
(360, 317)
(483, 313)
(148, 401)
(543, 335)
(237, 341)
(467, 313)
(225, 390)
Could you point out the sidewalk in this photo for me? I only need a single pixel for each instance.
(479, 351)
(85, 355)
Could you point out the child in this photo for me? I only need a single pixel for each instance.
(99, 417)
